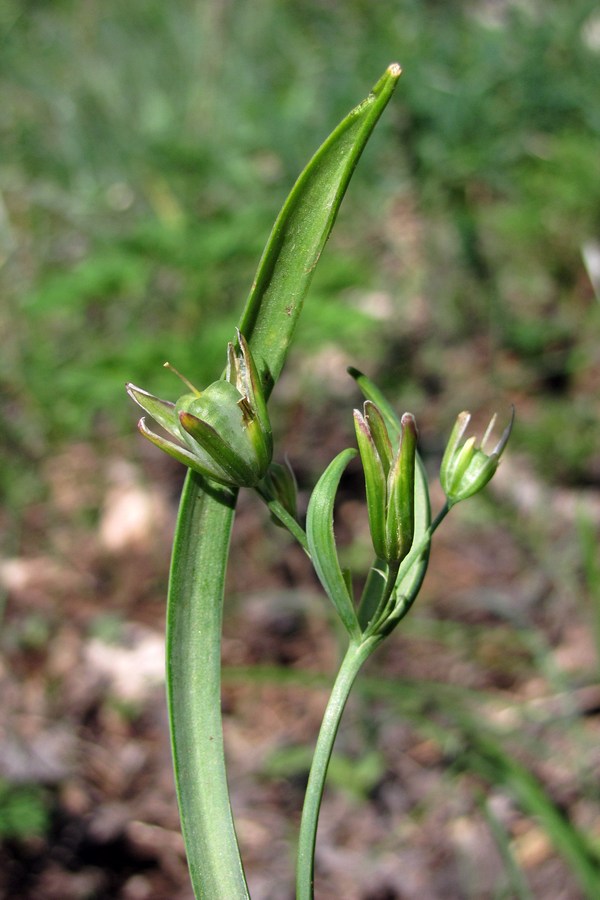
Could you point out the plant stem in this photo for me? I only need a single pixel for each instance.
(285, 518)
(439, 518)
(389, 615)
(194, 689)
(351, 664)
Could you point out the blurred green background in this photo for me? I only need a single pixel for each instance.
(146, 149)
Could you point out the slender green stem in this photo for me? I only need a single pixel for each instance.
(285, 518)
(353, 660)
(439, 518)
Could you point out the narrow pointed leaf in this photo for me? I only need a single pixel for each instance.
(210, 470)
(381, 438)
(414, 566)
(161, 411)
(321, 541)
(375, 482)
(371, 392)
(301, 231)
(212, 442)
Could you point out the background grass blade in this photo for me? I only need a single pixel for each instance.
(487, 755)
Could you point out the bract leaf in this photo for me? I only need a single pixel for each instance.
(414, 566)
(162, 411)
(379, 432)
(321, 541)
(375, 481)
(208, 469)
(370, 391)
(194, 617)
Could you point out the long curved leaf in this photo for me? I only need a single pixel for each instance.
(301, 231)
(371, 392)
(205, 516)
(321, 541)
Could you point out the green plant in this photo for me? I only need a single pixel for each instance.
(23, 811)
(121, 208)
(223, 435)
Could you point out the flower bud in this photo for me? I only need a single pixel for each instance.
(466, 467)
(222, 432)
(389, 480)
(400, 518)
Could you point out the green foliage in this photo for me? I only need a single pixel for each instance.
(29, 633)
(564, 452)
(142, 166)
(107, 627)
(590, 563)
(135, 199)
(23, 811)
(354, 777)
(321, 542)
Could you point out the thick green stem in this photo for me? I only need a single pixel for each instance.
(353, 660)
(194, 616)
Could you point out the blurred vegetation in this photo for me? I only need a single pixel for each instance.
(23, 811)
(147, 148)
